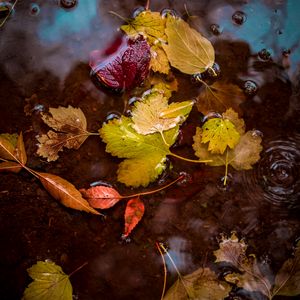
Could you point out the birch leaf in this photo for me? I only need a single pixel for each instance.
(202, 284)
(50, 283)
(159, 61)
(70, 126)
(187, 49)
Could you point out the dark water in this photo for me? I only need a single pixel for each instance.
(44, 63)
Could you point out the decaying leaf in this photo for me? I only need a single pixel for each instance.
(70, 126)
(20, 150)
(10, 166)
(65, 192)
(145, 154)
(203, 284)
(102, 197)
(167, 84)
(187, 49)
(133, 214)
(50, 283)
(218, 97)
(250, 277)
(287, 280)
(159, 61)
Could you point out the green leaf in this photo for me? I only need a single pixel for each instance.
(187, 49)
(202, 284)
(145, 154)
(50, 283)
(11, 138)
(287, 280)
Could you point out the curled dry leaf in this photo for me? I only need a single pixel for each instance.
(133, 214)
(70, 126)
(187, 50)
(102, 197)
(65, 192)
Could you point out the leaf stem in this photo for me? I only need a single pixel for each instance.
(8, 15)
(188, 159)
(165, 270)
(119, 16)
(147, 5)
(79, 268)
(226, 168)
(5, 160)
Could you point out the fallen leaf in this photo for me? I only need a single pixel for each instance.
(125, 69)
(250, 277)
(219, 96)
(169, 84)
(145, 154)
(287, 280)
(7, 146)
(65, 192)
(20, 150)
(203, 284)
(70, 126)
(50, 283)
(10, 166)
(133, 214)
(176, 109)
(102, 197)
(187, 49)
(159, 61)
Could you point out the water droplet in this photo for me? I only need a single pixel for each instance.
(169, 12)
(101, 183)
(133, 100)
(213, 72)
(137, 11)
(5, 9)
(215, 29)
(185, 180)
(250, 88)
(112, 115)
(286, 52)
(239, 18)
(197, 79)
(257, 133)
(225, 187)
(34, 9)
(68, 3)
(264, 54)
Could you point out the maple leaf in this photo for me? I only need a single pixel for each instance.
(133, 214)
(218, 97)
(102, 197)
(50, 282)
(70, 126)
(145, 154)
(202, 284)
(187, 49)
(233, 251)
(127, 68)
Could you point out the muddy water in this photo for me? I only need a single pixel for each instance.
(44, 63)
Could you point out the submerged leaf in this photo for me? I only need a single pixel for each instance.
(102, 197)
(70, 127)
(187, 49)
(203, 284)
(10, 166)
(133, 214)
(50, 283)
(145, 154)
(65, 192)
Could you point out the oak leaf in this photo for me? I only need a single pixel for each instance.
(145, 155)
(70, 132)
(133, 214)
(102, 197)
(202, 284)
(50, 283)
(187, 49)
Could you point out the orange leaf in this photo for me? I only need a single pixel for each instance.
(101, 196)
(133, 214)
(10, 166)
(65, 192)
(20, 150)
(6, 149)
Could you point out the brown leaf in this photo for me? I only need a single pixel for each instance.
(65, 192)
(10, 166)
(133, 214)
(20, 150)
(220, 96)
(6, 149)
(101, 196)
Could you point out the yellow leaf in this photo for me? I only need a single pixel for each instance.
(159, 61)
(187, 49)
(7, 149)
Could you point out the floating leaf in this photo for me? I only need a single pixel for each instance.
(7, 146)
(250, 277)
(65, 192)
(219, 96)
(133, 214)
(10, 166)
(187, 49)
(50, 283)
(125, 69)
(145, 154)
(166, 84)
(159, 61)
(202, 284)
(101, 196)
(176, 109)
(70, 126)
(287, 280)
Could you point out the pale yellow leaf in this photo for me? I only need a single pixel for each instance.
(159, 61)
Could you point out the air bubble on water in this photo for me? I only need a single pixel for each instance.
(286, 52)
(225, 187)
(197, 79)
(34, 9)
(250, 88)
(112, 115)
(68, 3)
(169, 12)
(138, 11)
(133, 100)
(257, 133)
(216, 29)
(213, 72)
(6, 9)
(264, 54)
(239, 18)
(210, 116)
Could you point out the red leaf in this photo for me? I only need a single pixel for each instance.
(126, 69)
(133, 214)
(101, 196)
